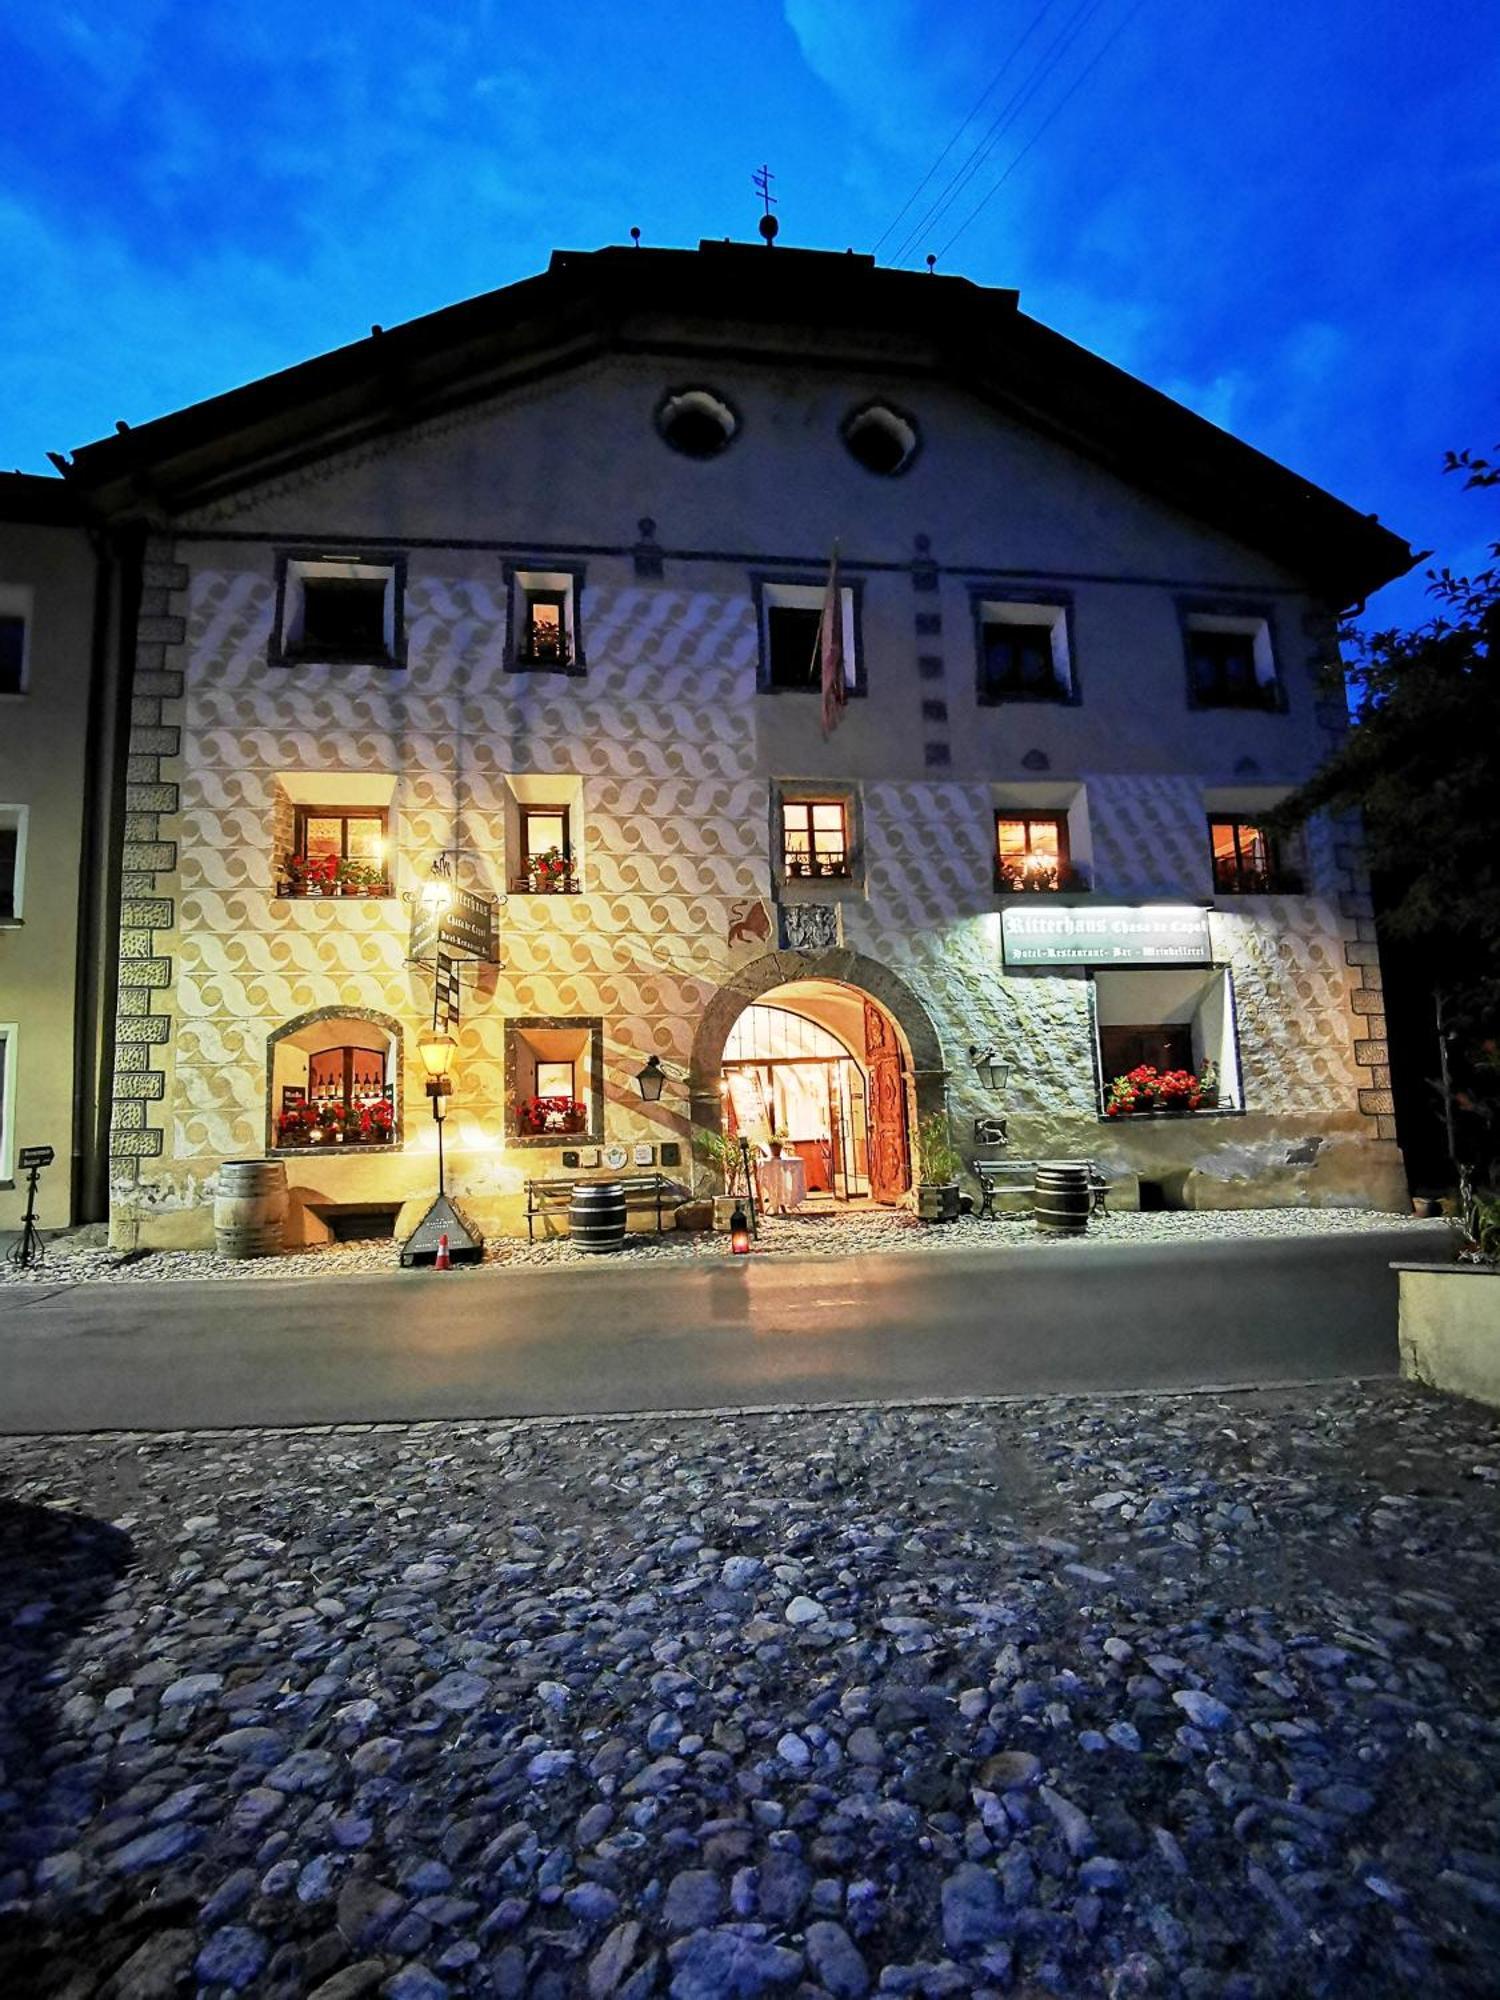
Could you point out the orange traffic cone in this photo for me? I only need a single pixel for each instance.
(442, 1261)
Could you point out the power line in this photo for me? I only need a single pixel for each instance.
(1001, 123)
(984, 95)
(1066, 97)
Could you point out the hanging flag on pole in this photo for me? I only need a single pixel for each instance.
(831, 649)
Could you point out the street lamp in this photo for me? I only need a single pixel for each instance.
(650, 1079)
(436, 1050)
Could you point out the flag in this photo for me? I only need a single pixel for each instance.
(831, 648)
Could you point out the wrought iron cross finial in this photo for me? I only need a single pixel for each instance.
(762, 179)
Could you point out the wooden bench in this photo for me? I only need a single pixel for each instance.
(549, 1197)
(1019, 1177)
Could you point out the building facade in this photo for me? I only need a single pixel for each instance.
(60, 742)
(537, 593)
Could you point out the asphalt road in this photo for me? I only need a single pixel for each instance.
(424, 1344)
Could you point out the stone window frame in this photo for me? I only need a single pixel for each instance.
(818, 888)
(390, 564)
(1069, 688)
(1257, 619)
(593, 1026)
(278, 1035)
(564, 578)
(1232, 1015)
(814, 581)
(892, 418)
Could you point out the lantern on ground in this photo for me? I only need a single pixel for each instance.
(739, 1232)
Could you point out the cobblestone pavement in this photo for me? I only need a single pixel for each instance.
(857, 1232)
(1185, 1695)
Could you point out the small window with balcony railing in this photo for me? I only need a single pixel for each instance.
(815, 835)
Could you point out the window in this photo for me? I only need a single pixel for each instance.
(544, 626)
(12, 861)
(335, 1082)
(7, 1099)
(337, 612)
(790, 618)
(1024, 651)
(815, 836)
(1031, 852)
(696, 422)
(1174, 1021)
(15, 629)
(1229, 660)
(554, 1075)
(1246, 861)
(880, 439)
(547, 865)
(339, 850)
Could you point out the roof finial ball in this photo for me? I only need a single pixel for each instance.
(768, 227)
(635, 236)
(931, 264)
(761, 180)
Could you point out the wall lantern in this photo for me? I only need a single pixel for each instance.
(739, 1231)
(991, 1071)
(650, 1079)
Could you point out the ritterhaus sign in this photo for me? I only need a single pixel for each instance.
(463, 925)
(1167, 935)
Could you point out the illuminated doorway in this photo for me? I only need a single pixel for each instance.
(820, 1065)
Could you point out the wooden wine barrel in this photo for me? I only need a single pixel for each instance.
(250, 1208)
(1063, 1197)
(596, 1216)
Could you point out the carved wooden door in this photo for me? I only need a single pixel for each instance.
(890, 1155)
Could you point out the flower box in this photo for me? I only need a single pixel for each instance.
(551, 1117)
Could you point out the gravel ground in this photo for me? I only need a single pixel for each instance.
(1188, 1695)
(854, 1233)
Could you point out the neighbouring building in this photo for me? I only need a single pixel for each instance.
(61, 745)
(531, 590)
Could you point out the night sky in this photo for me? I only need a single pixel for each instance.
(1283, 213)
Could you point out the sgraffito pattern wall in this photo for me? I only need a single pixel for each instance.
(662, 746)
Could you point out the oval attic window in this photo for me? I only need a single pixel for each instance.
(697, 422)
(880, 438)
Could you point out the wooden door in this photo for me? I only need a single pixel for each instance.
(890, 1155)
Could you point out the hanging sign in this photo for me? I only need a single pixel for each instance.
(1159, 934)
(463, 926)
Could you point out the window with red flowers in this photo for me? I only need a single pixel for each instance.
(1031, 853)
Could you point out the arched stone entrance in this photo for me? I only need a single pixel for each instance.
(906, 1065)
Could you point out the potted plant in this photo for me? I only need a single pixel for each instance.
(777, 1141)
(725, 1161)
(293, 1124)
(313, 874)
(940, 1165)
(551, 874)
(376, 1122)
(551, 1117)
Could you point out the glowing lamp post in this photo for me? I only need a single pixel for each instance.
(436, 1051)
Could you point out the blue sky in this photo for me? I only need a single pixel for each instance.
(1284, 214)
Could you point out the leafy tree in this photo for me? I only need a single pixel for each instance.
(1421, 765)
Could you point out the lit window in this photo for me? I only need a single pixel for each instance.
(556, 1079)
(340, 613)
(1031, 852)
(544, 638)
(1246, 862)
(544, 621)
(1230, 662)
(816, 837)
(547, 865)
(339, 851)
(333, 1084)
